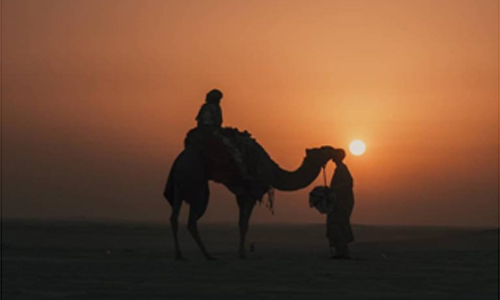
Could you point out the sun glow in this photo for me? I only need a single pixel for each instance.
(357, 147)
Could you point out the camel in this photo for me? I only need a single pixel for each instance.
(190, 174)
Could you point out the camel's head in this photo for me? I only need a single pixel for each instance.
(320, 155)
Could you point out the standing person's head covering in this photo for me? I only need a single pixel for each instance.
(214, 96)
(339, 155)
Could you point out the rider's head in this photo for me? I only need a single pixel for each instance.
(214, 96)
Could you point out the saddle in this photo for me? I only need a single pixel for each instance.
(224, 148)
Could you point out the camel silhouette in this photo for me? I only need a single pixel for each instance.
(190, 173)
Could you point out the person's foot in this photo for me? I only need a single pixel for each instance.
(341, 257)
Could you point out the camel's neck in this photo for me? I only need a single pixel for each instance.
(290, 181)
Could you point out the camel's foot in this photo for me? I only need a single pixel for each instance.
(210, 257)
(179, 257)
(341, 257)
(242, 255)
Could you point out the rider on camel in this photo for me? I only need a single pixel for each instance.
(210, 114)
(209, 119)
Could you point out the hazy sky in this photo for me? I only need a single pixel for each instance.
(97, 96)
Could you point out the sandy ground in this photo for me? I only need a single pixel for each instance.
(68, 260)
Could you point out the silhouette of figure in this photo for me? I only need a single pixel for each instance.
(338, 225)
(188, 182)
(210, 114)
(209, 121)
(204, 158)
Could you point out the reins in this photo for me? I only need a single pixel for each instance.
(324, 175)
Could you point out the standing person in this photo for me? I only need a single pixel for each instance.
(338, 224)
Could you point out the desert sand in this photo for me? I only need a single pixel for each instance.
(97, 260)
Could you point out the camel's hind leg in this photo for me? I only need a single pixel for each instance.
(174, 222)
(193, 229)
(246, 205)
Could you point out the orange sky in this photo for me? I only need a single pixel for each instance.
(98, 95)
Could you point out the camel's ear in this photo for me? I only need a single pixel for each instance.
(308, 152)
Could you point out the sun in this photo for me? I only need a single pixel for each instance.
(357, 147)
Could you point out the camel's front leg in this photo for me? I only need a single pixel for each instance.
(246, 205)
(193, 229)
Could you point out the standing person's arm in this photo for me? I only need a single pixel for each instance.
(341, 180)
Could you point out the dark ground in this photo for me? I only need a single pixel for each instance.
(78, 260)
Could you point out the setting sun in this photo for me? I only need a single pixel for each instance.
(357, 147)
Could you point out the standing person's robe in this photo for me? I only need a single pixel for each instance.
(338, 222)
